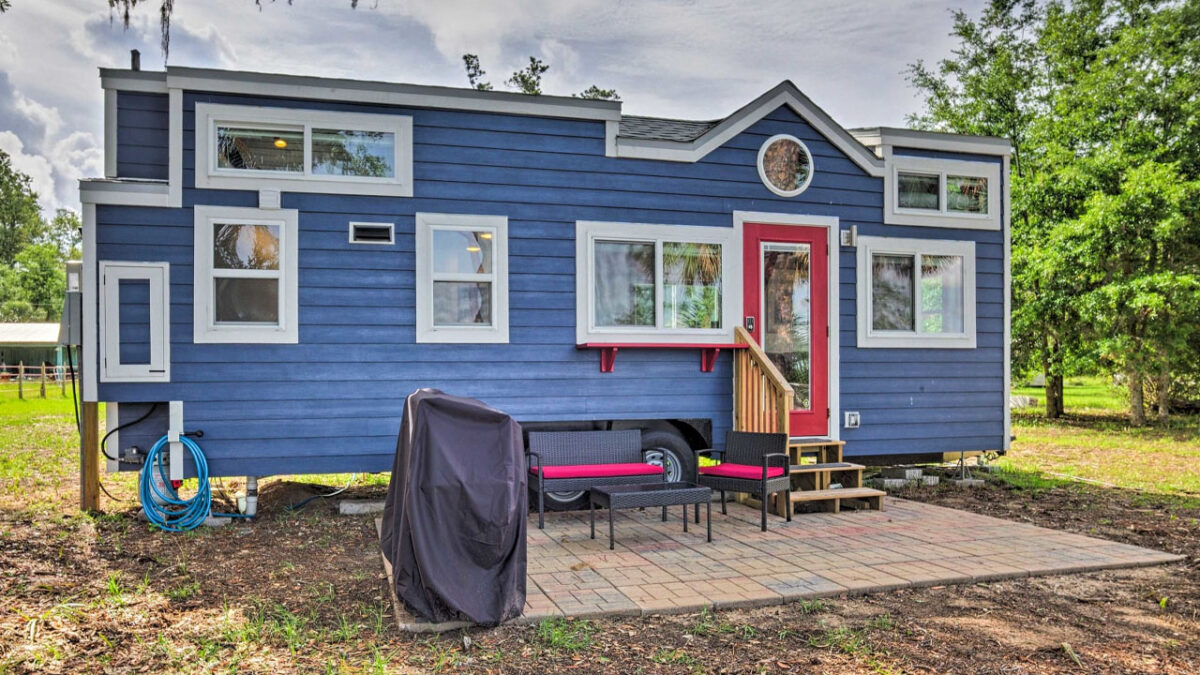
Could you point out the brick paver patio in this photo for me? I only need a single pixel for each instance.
(656, 567)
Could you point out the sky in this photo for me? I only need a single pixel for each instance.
(692, 59)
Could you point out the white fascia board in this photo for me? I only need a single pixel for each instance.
(144, 81)
(1005, 177)
(934, 140)
(385, 93)
(123, 193)
(784, 94)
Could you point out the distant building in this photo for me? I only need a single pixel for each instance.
(30, 343)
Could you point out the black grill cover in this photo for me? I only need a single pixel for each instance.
(454, 520)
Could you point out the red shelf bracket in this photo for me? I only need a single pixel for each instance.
(708, 358)
(608, 359)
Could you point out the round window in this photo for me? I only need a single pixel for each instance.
(785, 165)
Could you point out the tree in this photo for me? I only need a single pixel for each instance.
(34, 287)
(20, 216)
(527, 80)
(4, 5)
(65, 231)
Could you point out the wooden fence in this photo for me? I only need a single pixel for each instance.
(33, 376)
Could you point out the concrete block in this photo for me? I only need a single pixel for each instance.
(359, 507)
(903, 472)
(967, 482)
(892, 483)
(213, 521)
(930, 480)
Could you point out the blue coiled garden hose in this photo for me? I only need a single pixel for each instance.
(175, 514)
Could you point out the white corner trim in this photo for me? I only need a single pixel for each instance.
(110, 133)
(204, 326)
(869, 338)
(111, 422)
(934, 140)
(426, 224)
(89, 358)
(175, 147)
(762, 173)
(586, 234)
(157, 276)
(832, 226)
(894, 215)
(208, 175)
(783, 94)
(1006, 205)
(611, 128)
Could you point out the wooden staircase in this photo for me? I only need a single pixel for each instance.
(762, 401)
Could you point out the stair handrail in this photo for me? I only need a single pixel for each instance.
(777, 411)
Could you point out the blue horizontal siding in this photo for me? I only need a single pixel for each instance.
(142, 135)
(333, 401)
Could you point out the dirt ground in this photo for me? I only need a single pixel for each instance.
(303, 591)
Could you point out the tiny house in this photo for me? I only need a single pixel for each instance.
(277, 261)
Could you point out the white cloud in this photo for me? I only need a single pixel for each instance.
(696, 59)
(37, 167)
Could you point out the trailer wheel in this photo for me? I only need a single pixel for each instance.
(670, 451)
(563, 501)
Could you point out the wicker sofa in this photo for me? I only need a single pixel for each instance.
(563, 461)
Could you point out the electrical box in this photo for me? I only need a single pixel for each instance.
(70, 327)
(853, 420)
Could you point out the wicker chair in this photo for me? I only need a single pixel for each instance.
(754, 463)
(579, 460)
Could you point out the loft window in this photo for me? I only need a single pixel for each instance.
(967, 194)
(785, 165)
(940, 192)
(245, 286)
(652, 283)
(462, 278)
(255, 148)
(920, 191)
(916, 293)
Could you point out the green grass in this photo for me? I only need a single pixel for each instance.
(559, 634)
(39, 446)
(1083, 393)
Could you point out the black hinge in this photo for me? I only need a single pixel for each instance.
(827, 413)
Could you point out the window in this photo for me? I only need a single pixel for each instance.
(245, 286)
(253, 148)
(462, 278)
(654, 283)
(942, 193)
(135, 322)
(785, 165)
(916, 293)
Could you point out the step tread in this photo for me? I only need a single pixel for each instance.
(836, 493)
(828, 466)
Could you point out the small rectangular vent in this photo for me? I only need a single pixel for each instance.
(372, 233)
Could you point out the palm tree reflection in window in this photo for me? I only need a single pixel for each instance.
(691, 285)
(787, 313)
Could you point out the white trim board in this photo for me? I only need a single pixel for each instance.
(785, 93)
(586, 234)
(123, 193)
(205, 329)
(89, 359)
(1006, 178)
(208, 175)
(933, 140)
(869, 338)
(175, 147)
(427, 331)
(832, 226)
(110, 133)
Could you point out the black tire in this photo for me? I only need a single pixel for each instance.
(670, 449)
(561, 501)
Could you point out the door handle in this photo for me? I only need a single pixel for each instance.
(750, 324)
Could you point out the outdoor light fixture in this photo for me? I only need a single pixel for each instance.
(485, 235)
(473, 249)
(280, 143)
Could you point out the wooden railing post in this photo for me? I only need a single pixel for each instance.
(43, 392)
(89, 458)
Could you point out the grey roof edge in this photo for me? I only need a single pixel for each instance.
(305, 86)
(932, 140)
(123, 184)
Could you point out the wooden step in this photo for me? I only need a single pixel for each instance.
(836, 493)
(828, 466)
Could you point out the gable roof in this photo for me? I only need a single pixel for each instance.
(671, 145)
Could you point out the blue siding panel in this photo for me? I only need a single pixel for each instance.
(333, 402)
(142, 135)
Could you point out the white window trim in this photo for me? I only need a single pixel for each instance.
(941, 217)
(762, 173)
(158, 276)
(586, 234)
(868, 337)
(205, 329)
(208, 175)
(391, 227)
(426, 223)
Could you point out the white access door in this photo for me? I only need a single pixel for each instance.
(135, 322)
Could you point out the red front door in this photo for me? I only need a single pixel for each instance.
(787, 311)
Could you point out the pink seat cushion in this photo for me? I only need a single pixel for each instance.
(728, 470)
(597, 470)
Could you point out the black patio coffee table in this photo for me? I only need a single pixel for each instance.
(613, 497)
